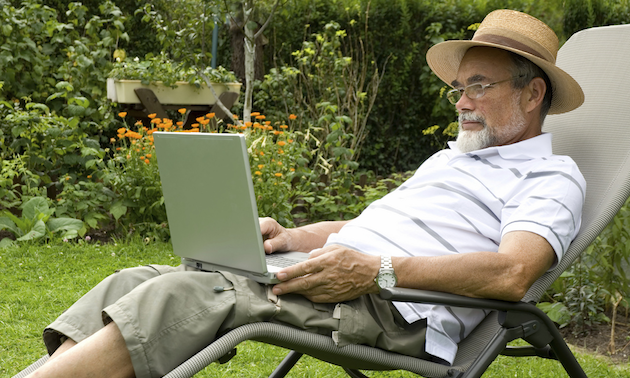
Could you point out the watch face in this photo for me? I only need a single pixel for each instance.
(386, 280)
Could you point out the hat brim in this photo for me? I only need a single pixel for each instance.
(445, 57)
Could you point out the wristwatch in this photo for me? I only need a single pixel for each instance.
(386, 276)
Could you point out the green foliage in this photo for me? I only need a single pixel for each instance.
(161, 68)
(330, 95)
(583, 14)
(37, 222)
(184, 30)
(50, 147)
(597, 280)
(60, 64)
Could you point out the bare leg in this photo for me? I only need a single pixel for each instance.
(103, 354)
(69, 343)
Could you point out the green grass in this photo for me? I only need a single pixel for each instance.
(38, 282)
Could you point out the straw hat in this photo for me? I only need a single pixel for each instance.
(519, 33)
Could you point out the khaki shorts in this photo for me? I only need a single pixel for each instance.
(167, 314)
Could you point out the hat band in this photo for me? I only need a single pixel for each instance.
(507, 42)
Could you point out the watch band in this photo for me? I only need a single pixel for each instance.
(386, 262)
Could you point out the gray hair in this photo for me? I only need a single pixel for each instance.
(524, 71)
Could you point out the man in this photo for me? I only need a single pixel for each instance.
(484, 218)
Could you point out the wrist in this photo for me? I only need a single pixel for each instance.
(386, 276)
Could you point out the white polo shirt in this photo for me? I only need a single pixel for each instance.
(461, 203)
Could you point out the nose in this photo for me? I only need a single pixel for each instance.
(464, 103)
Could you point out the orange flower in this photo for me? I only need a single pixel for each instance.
(182, 110)
(156, 121)
(122, 114)
(152, 115)
(279, 163)
(128, 157)
(281, 143)
(117, 148)
(194, 130)
(280, 151)
(278, 174)
(67, 178)
(284, 126)
(292, 169)
(292, 116)
(122, 130)
(112, 140)
(141, 157)
(149, 155)
(262, 153)
(248, 124)
(254, 114)
(139, 123)
(194, 125)
(180, 123)
(147, 161)
(210, 115)
(204, 121)
(276, 132)
(199, 119)
(260, 166)
(234, 116)
(260, 117)
(290, 140)
(258, 173)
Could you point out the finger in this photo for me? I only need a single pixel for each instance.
(299, 270)
(274, 235)
(302, 285)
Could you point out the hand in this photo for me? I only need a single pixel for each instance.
(331, 275)
(276, 238)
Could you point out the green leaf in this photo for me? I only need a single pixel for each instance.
(38, 230)
(35, 206)
(118, 209)
(6, 243)
(66, 224)
(6, 30)
(6, 223)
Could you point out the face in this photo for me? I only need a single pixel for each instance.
(497, 118)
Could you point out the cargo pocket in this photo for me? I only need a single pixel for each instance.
(252, 302)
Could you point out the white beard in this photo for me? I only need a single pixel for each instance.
(468, 140)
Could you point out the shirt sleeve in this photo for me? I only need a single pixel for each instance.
(548, 203)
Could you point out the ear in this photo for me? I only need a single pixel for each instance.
(535, 94)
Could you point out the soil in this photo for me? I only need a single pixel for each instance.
(596, 339)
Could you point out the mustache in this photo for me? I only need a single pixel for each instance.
(471, 117)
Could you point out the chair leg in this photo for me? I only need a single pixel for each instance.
(286, 365)
(566, 358)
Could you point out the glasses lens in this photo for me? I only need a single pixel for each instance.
(474, 91)
(453, 96)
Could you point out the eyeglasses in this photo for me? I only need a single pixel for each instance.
(473, 91)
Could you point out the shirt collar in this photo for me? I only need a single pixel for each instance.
(536, 147)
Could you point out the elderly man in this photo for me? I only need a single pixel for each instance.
(484, 218)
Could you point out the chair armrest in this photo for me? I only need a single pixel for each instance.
(447, 299)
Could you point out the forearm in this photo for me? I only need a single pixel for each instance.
(477, 275)
(312, 236)
(507, 274)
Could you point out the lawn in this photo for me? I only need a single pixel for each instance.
(40, 281)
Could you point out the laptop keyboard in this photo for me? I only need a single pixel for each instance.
(280, 261)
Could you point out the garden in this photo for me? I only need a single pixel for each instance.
(338, 108)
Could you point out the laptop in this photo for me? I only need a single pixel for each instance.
(211, 205)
